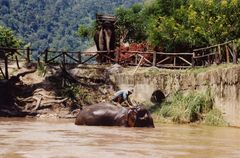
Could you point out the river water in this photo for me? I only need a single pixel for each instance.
(30, 138)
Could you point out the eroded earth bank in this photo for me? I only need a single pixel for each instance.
(61, 92)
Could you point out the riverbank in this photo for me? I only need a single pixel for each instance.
(52, 91)
(221, 81)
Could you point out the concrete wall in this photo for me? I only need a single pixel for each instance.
(223, 83)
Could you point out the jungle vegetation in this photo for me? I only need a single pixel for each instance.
(8, 38)
(180, 25)
(175, 25)
(53, 23)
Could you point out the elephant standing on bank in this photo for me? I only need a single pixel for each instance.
(106, 114)
(105, 39)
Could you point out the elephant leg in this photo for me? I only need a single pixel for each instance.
(96, 39)
(108, 35)
(97, 42)
(102, 44)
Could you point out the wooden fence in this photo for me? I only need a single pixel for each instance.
(13, 54)
(71, 57)
(221, 53)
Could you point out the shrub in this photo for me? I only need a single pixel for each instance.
(215, 118)
(192, 107)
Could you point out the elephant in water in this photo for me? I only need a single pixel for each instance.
(105, 38)
(106, 114)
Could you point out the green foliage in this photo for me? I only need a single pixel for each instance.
(180, 25)
(186, 109)
(215, 118)
(81, 95)
(131, 23)
(84, 31)
(8, 39)
(87, 32)
(54, 23)
(185, 25)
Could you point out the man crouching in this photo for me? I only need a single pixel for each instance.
(122, 96)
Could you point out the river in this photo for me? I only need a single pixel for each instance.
(30, 138)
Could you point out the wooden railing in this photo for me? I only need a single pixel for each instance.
(157, 59)
(221, 53)
(173, 60)
(11, 54)
(71, 57)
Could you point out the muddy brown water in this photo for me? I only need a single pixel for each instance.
(30, 138)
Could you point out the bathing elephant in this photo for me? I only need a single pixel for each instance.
(106, 114)
(105, 39)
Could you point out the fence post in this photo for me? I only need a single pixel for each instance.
(6, 66)
(154, 58)
(79, 57)
(174, 60)
(28, 54)
(217, 60)
(227, 54)
(193, 60)
(235, 55)
(64, 58)
(17, 62)
(136, 58)
(46, 56)
(219, 54)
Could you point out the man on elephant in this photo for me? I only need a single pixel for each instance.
(122, 96)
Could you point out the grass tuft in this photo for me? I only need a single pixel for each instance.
(215, 118)
(189, 108)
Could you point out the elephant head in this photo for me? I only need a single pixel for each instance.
(139, 116)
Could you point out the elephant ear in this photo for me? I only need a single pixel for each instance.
(131, 117)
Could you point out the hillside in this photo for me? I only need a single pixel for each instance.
(54, 23)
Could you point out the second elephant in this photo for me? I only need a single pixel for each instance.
(105, 40)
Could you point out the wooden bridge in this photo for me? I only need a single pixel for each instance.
(217, 54)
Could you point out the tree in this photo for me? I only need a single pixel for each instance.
(41, 20)
(86, 31)
(8, 39)
(193, 23)
(131, 24)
